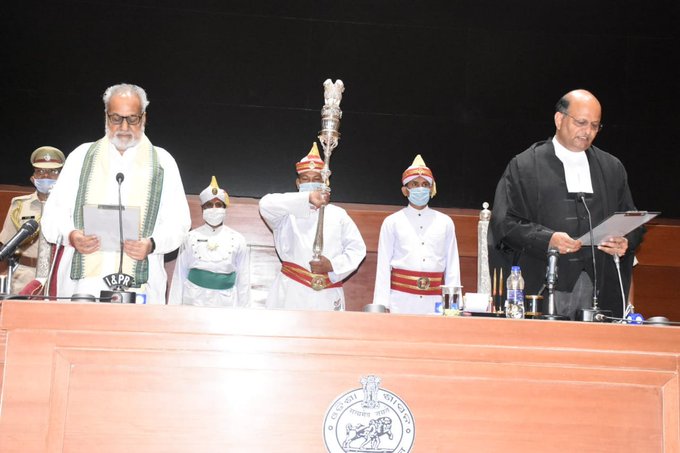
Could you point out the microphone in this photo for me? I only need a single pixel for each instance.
(582, 197)
(118, 282)
(628, 308)
(50, 274)
(551, 272)
(25, 231)
(591, 314)
(120, 177)
(550, 281)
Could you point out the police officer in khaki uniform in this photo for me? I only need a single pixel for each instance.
(47, 162)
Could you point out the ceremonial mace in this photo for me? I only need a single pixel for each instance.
(328, 137)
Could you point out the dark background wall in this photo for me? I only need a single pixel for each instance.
(236, 86)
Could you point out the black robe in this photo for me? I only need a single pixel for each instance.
(532, 202)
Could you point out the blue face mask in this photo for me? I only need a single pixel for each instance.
(419, 196)
(310, 186)
(44, 185)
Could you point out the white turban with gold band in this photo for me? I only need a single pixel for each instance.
(213, 191)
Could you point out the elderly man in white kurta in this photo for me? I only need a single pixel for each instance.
(212, 266)
(417, 249)
(305, 284)
(147, 177)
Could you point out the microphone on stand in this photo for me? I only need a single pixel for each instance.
(48, 281)
(629, 314)
(118, 282)
(7, 252)
(25, 231)
(590, 314)
(550, 281)
(120, 177)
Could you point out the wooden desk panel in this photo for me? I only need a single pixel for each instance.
(111, 378)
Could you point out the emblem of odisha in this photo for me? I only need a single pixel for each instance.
(369, 420)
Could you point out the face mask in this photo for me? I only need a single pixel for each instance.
(214, 216)
(310, 186)
(419, 196)
(44, 185)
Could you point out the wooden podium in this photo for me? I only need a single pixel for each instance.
(119, 378)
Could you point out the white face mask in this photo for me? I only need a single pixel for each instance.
(44, 185)
(214, 216)
(310, 186)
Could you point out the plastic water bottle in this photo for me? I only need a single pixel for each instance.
(515, 302)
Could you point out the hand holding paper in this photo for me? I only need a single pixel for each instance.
(614, 246)
(84, 244)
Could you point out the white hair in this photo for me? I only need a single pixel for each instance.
(125, 88)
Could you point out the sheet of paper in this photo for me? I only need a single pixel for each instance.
(102, 221)
(477, 302)
(618, 224)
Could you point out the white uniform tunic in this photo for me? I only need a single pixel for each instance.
(415, 240)
(293, 221)
(221, 250)
(172, 223)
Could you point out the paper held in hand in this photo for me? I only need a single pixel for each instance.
(618, 224)
(102, 221)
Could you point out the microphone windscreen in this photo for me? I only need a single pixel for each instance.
(120, 177)
(30, 225)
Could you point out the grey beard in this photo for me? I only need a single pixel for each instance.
(119, 144)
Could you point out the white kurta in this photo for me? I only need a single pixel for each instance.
(220, 250)
(293, 221)
(172, 223)
(416, 240)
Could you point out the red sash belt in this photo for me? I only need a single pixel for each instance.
(301, 275)
(413, 282)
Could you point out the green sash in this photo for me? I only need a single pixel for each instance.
(211, 280)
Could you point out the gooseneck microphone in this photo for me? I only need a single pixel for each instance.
(120, 177)
(53, 263)
(594, 313)
(25, 231)
(582, 197)
(120, 281)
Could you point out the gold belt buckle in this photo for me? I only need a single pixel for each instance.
(318, 282)
(423, 283)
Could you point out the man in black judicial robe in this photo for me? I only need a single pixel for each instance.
(534, 210)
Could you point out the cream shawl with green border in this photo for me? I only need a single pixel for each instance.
(146, 178)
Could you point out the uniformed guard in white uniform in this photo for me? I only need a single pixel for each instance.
(212, 266)
(304, 284)
(417, 249)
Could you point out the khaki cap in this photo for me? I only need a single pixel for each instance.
(47, 157)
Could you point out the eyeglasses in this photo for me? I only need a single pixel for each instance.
(132, 120)
(583, 123)
(47, 171)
